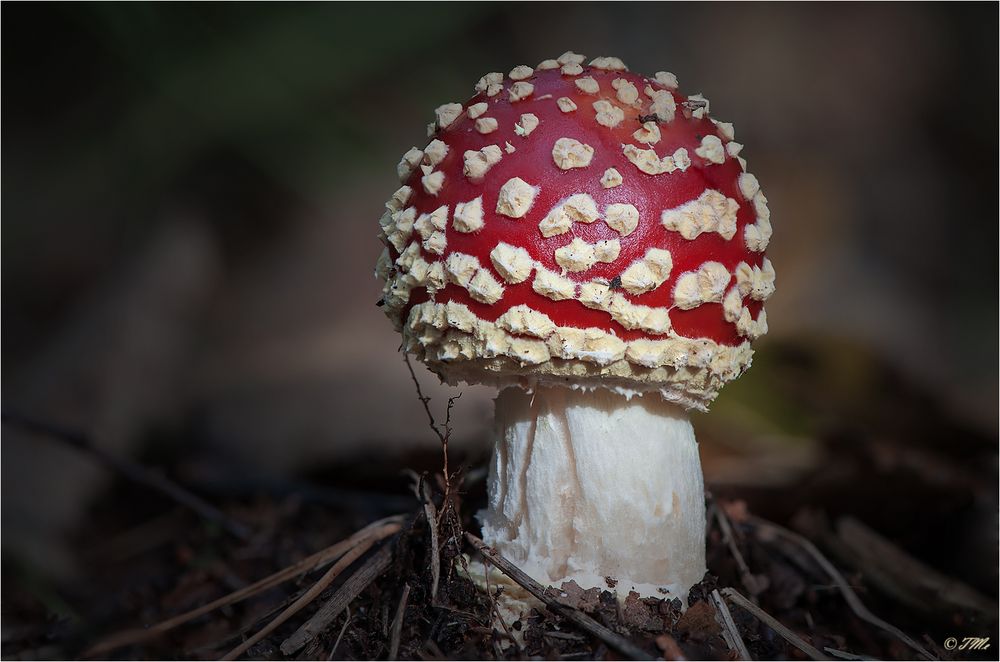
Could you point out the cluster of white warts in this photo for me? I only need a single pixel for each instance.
(711, 212)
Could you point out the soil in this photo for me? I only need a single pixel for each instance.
(148, 559)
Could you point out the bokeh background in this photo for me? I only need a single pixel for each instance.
(190, 204)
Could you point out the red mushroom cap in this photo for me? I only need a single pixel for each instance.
(579, 223)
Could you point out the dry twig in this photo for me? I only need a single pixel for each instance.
(575, 616)
(902, 576)
(336, 644)
(424, 400)
(746, 577)
(774, 624)
(444, 448)
(350, 589)
(495, 608)
(852, 599)
(443, 432)
(350, 557)
(397, 623)
(730, 633)
(422, 491)
(317, 560)
(432, 525)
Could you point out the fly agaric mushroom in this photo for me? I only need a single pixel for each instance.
(588, 240)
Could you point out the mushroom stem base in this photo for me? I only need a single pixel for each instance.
(598, 488)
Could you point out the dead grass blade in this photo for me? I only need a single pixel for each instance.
(397, 623)
(774, 624)
(746, 577)
(852, 599)
(336, 644)
(346, 560)
(730, 633)
(432, 525)
(351, 588)
(317, 560)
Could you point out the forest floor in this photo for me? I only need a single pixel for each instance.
(166, 582)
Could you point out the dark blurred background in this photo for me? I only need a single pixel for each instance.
(190, 204)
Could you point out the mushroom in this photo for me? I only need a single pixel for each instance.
(598, 255)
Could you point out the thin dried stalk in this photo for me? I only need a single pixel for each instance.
(732, 635)
(397, 623)
(774, 624)
(746, 577)
(317, 560)
(317, 588)
(443, 432)
(852, 599)
(351, 588)
(432, 525)
(336, 644)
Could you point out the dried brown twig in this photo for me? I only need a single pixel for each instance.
(443, 432)
(350, 557)
(852, 599)
(746, 577)
(446, 518)
(432, 524)
(730, 633)
(422, 492)
(575, 616)
(774, 624)
(397, 623)
(494, 606)
(317, 560)
(901, 576)
(365, 575)
(343, 629)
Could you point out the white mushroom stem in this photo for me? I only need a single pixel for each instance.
(588, 485)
